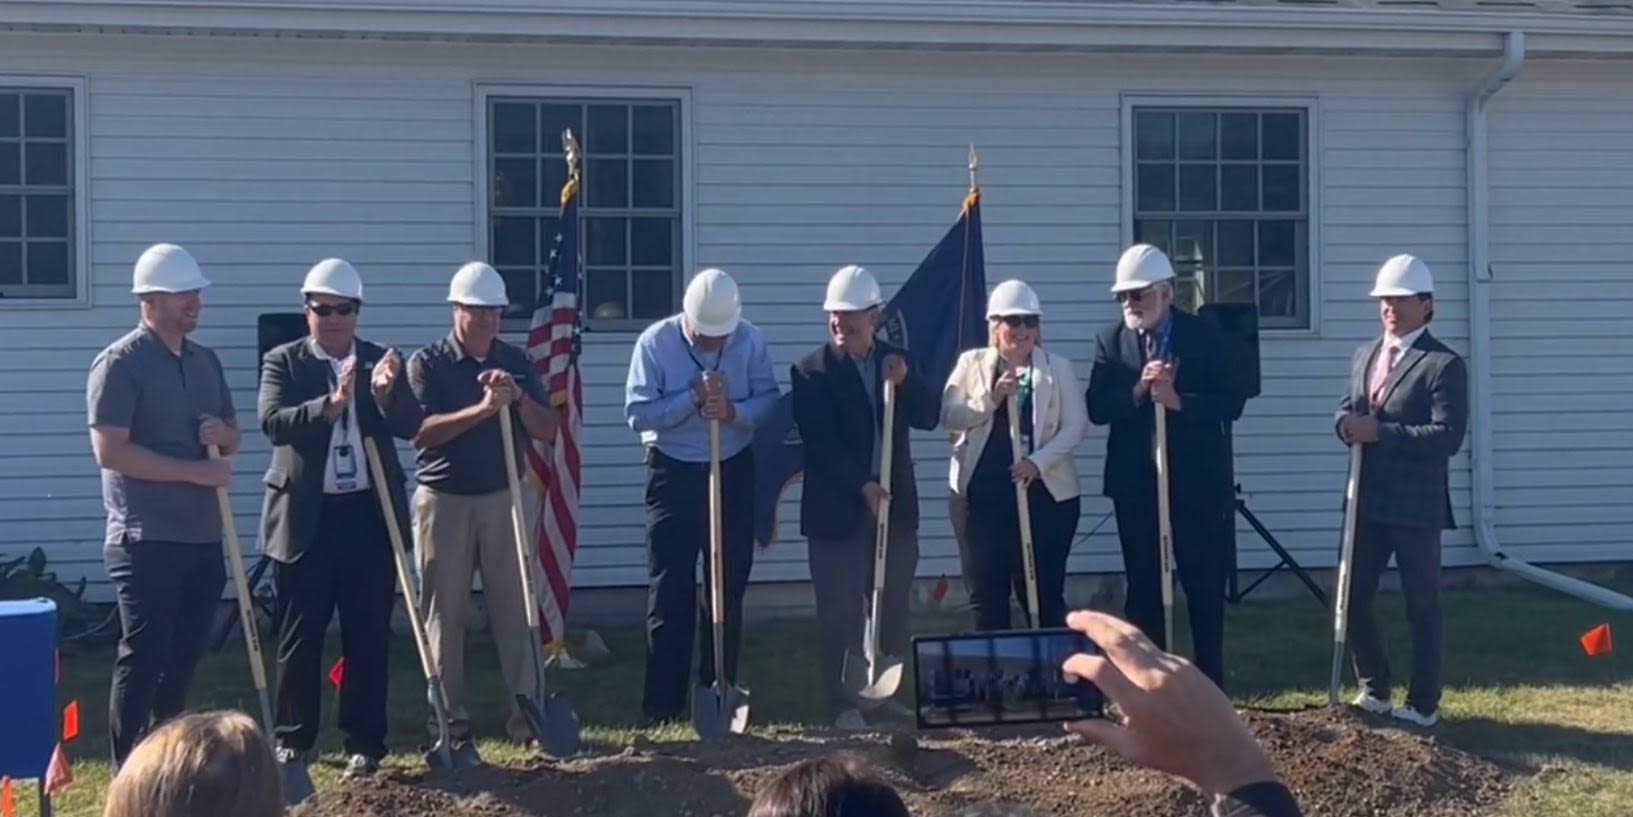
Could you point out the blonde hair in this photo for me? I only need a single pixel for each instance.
(212, 764)
(992, 331)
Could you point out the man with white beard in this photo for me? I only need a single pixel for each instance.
(1160, 354)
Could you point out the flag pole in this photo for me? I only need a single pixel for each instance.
(975, 169)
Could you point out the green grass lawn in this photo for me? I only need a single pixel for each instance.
(1520, 690)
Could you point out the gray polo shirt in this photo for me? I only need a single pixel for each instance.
(443, 377)
(139, 384)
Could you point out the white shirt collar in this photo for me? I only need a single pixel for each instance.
(1405, 341)
(317, 349)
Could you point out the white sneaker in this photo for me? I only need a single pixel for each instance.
(1377, 706)
(1416, 718)
(850, 720)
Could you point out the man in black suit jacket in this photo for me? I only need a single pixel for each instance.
(838, 393)
(1157, 353)
(321, 396)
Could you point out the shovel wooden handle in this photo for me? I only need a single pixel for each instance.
(717, 558)
(241, 589)
(1165, 526)
(411, 596)
(518, 523)
(881, 540)
(1346, 559)
(1024, 507)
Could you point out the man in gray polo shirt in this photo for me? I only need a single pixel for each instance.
(156, 400)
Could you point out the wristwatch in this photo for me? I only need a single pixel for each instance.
(1267, 799)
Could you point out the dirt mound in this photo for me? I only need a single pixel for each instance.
(1338, 766)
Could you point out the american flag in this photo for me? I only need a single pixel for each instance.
(553, 343)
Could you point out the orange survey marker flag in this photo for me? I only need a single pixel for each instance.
(939, 593)
(8, 802)
(60, 773)
(337, 673)
(70, 722)
(1597, 641)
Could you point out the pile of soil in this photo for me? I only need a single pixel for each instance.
(1338, 765)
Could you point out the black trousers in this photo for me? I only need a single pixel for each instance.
(677, 534)
(1200, 555)
(992, 560)
(348, 567)
(168, 594)
(1417, 554)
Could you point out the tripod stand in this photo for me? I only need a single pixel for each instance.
(1234, 593)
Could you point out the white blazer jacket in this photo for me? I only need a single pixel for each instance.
(1060, 418)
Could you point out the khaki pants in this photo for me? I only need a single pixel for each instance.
(455, 536)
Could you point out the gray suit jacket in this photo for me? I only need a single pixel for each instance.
(294, 386)
(1422, 419)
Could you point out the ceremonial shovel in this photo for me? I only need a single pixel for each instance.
(884, 672)
(1346, 559)
(720, 709)
(297, 786)
(1165, 527)
(552, 720)
(1024, 507)
(442, 754)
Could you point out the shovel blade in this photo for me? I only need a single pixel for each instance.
(886, 674)
(440, 757)
(718, 712)
(553, 722)
(466, 756)
(297, 782)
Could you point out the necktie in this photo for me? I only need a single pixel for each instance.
(1150, 346)
(1380, 374)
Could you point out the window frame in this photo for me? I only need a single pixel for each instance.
(1131, 103)
(79, 244)
(681, 97)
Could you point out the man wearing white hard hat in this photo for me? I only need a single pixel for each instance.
(157, 399)
(1160, 354)
(1407, 404)
(706, 363)
(462, 520)
(321, 396)
(839, 408)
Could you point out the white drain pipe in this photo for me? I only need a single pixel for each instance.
(1480, 282)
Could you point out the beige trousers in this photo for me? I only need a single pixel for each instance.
(454, 537)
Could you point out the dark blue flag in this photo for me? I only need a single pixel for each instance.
(937, 314)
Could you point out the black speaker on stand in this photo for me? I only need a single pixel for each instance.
(1240, 325)
(272, 329)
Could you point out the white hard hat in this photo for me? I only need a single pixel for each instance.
(852, 289)
(1141, 266)
(477, 284)
(1013, 298)
(711, 304)
(333, 276)
(167, 268)
(1403, 275)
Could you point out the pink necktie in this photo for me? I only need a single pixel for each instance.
(1380, 374)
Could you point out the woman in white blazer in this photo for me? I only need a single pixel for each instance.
(1054, 418)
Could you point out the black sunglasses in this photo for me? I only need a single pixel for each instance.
(1013, 321)
(325, 310)
(1132, 297)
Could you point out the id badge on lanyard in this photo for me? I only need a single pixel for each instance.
(345, 457)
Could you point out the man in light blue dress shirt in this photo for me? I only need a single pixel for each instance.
(704, 364)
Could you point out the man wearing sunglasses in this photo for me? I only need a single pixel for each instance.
(321, 396)
(1158, 354)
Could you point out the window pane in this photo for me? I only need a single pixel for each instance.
(1283, 136)
(553, 119)
(515, 129)
(609, 129)
(1153, 232)
(1281, 187)
(11, 216)
(654, 132)
(47, 216)
(10, 115)
(1155, 184)
(653, 292)
(11, 163)
(608, 180)
(554, 179)
(1154, 136)
(11, 262)
(45, 116)
(1233, 287)
(1278, 293)
(607, 291)
(45, 163)
(1276, 244)
(1199, 188)
(654, 183)
(605, 241)
(522, 285)
(1196, 136)
(515, 242)
(1238, 136)
(1193, 242)
(1239, 187)
(515, 182)
(47, 262)
(1235, 244)
(652, 242)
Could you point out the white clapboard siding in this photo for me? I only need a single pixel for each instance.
(262, 156)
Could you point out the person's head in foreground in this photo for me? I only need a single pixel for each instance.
(212, 764)
(836, 786)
